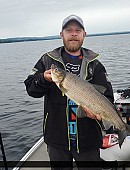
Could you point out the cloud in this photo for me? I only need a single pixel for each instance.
(42, 18)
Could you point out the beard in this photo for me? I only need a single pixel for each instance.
(72, 45)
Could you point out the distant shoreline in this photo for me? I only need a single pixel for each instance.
(22, 39)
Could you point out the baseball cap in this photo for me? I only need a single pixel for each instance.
(70, 18)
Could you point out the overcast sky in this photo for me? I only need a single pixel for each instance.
(34, 18)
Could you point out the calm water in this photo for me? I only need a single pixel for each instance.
(21, 116)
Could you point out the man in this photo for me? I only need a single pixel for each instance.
(66, 136)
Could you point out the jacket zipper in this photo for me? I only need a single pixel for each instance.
(68, 124)
(67, 104)
(45, 121)
(63, 95)
(77, 141)
(85, 79)
(76, 116)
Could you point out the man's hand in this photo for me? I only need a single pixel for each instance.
(47, 75)
(91, 115)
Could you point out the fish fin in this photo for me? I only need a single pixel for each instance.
(64, 90)
(123, 134)
(80, 112)
(99, 88)
(106, 124)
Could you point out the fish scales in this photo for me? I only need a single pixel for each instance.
(81, 92)
(84, 94)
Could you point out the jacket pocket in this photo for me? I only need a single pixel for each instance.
(56, 96)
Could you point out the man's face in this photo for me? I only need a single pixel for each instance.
(73, 36)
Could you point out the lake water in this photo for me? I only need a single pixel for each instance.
(21, 116)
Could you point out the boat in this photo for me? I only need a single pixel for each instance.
(38, 153)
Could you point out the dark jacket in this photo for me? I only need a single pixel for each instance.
(55, 103)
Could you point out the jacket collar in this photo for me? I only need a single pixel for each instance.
(88, 55)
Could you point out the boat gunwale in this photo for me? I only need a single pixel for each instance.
(29, 153)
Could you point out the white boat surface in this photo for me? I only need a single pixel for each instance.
(39, 151)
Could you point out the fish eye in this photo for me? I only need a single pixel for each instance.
(56, 69)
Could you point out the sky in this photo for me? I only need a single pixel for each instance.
(39, 18)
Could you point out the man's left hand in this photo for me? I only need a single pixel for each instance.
(91, 115)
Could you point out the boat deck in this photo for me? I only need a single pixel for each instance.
(39, 156)
(37, 153)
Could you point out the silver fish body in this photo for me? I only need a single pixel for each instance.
(85, 95)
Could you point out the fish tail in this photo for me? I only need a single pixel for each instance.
(123, 134)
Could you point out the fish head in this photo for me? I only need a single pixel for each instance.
(57, 74)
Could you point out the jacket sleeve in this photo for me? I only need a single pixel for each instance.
(36, 85)
(100, 77)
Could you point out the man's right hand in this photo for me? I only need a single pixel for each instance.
(47, 75)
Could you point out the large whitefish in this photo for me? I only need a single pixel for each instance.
(85, 95)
